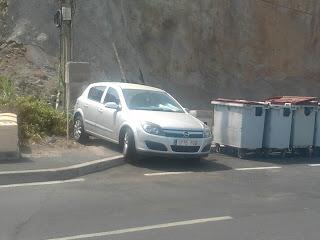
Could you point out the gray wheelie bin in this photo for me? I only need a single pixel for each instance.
(316, 141)
(277, 130)
(303, 121)
(238, 125)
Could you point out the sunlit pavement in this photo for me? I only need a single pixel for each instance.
(219, 198)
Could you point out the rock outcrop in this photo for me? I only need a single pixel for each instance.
(197, 50)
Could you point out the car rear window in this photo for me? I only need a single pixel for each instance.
(95, 93)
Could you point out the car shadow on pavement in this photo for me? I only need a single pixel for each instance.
(102, 143)
(180, 165)
(165, 164)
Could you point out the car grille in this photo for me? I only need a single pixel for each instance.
(187, 149)
(182, 133)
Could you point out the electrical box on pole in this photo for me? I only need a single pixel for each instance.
(66, 14)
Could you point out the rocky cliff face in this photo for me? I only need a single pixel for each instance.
(197, 50)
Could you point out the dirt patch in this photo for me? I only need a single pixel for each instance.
(58, 146)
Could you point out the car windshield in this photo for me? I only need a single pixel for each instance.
(139, 99)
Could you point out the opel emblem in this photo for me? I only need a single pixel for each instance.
(186, 134)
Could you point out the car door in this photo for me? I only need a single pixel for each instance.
(90, 107)
(107, 117)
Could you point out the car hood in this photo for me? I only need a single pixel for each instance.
(168, 120)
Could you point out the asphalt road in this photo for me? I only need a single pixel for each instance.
(221, 198)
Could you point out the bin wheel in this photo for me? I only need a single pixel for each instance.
(241, 153)
(231, 151)
(293, 152)
(265, 153)
(310, 152)
(218, 148)
(260, 152)
(306, 152)
(234, 151)
(316, 151)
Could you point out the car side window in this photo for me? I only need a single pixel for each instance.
(95, 93)
(112, 96)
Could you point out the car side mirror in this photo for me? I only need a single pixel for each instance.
(112, 105)
(187, 110)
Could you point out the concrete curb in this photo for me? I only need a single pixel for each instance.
(63, 173)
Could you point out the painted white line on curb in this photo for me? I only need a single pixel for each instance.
(40, 183)
(64, 168)
(314, 165)
(145, 228)
(165, 173)
(256, 168)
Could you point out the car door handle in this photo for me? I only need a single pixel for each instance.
(86, 105)
(100, 109)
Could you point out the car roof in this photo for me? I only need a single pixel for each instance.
(126, 86)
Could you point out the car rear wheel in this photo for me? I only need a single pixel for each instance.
(128, 147)
(79, 133)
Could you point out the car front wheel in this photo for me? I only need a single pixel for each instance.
(129, 148)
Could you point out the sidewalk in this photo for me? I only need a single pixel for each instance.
(56, 161)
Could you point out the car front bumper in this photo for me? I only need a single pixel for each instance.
(151, 144)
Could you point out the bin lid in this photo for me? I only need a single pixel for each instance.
(295, 100)
(237, 101)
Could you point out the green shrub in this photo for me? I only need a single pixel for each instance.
(7, 89)
(36, 118)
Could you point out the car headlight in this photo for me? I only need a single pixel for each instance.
(152, 128)
(207, 132)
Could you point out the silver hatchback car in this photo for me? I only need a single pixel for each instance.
(141, 119)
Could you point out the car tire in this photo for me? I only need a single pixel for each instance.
(128, 147)
(79, 133)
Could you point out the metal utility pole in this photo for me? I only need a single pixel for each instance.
(67, 52)
(66, 9)
(63, 20)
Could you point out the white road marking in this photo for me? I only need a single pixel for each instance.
(165, 173)
(314, 165)
(256, 168)
(145, 228)
(41, 183)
